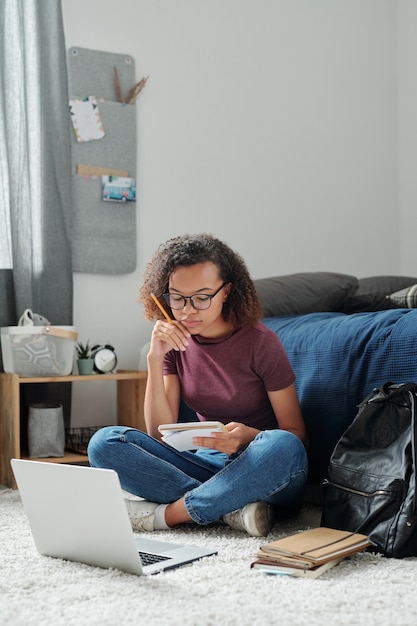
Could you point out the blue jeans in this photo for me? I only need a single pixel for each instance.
(272, 468)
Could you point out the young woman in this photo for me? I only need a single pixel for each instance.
(218, 358)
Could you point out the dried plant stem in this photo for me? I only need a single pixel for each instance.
(117, 85)
(135, 91)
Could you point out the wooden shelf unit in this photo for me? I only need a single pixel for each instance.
(131, 386)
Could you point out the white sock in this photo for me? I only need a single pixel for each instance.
(159, 522)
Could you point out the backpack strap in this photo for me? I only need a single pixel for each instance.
(413, 443)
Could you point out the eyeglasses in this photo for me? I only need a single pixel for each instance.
(199, 301)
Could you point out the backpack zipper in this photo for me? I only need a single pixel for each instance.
(365, 494)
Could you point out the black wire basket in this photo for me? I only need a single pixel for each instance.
(76, 439)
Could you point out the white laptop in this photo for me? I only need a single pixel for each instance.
(78, 513)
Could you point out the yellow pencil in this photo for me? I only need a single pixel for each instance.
(161, 308)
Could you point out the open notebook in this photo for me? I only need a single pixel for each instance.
(78, 513)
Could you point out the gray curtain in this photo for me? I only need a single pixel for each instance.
(35, 163)
(35, 171)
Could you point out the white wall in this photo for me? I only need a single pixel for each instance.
(407, 125)
(272, 124)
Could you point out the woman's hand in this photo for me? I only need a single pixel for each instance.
(237, 436)
(168, 336)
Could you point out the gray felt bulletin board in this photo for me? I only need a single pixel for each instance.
(103, 144)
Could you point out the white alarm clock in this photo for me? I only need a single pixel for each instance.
(105, 359)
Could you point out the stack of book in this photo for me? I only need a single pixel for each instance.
(310, 553)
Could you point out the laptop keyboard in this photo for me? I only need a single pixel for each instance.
(148, 558)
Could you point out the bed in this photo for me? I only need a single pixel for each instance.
(343, 336)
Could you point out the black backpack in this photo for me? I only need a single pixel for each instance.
(371, 483)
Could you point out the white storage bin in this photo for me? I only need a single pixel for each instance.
(38, 350)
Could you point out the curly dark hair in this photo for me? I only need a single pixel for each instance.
(242, 306)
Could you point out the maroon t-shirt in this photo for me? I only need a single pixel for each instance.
(227, 379)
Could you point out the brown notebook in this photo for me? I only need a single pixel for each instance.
(314, 547)
(284, 569)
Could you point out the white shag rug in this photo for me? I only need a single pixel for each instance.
(35, 590)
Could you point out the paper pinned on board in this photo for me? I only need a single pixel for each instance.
(86, 119)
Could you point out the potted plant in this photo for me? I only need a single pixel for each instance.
(84, 361)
